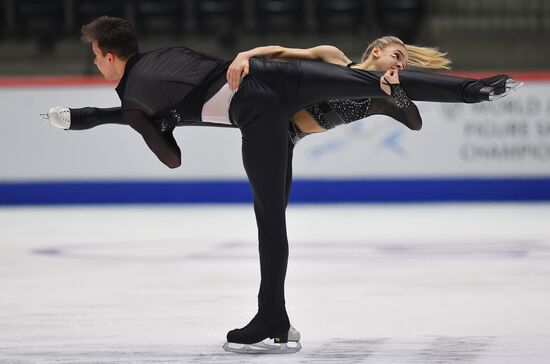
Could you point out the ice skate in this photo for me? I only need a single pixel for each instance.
(511, 85)
(59, 117)
(251, 339)
(493, 88)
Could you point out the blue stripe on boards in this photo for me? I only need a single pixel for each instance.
(303, 191)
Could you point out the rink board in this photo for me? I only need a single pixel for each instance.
(496, 151)
(303, 191)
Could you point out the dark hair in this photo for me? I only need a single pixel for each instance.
(113, 35)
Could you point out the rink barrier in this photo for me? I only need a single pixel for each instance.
(435, 189)
(303, 191)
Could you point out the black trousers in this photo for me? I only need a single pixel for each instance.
(273, 91)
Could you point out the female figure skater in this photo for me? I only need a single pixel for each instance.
(171, 87)
(387, 54)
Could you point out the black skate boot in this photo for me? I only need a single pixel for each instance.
(250, 339)
(491, 88)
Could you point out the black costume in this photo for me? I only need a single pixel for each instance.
(168, 87)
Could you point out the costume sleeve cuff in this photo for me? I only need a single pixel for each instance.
(399, 96)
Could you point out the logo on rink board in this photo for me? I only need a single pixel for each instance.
(512, 129)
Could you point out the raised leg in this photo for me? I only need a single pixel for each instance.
(302, 83)
(90, 117)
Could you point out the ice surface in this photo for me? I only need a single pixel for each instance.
(366, 283)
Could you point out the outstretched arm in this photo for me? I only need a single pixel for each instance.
(398, 106)
(240, 65)
(162, 144)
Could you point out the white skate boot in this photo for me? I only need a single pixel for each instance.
(59, 117)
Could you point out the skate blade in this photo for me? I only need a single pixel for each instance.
(262, 348)
(511, 85)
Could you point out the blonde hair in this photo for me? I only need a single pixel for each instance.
(424, 57)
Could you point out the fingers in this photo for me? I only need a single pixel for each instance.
(229, 77)
(239, 76)
(233, 78)
(235, 73)
(395, 74)
(392, 75)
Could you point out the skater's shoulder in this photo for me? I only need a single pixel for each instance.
(178, 53)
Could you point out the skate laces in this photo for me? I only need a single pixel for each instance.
(63, 114)
(58, 116)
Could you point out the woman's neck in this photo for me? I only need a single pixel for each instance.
(367, 65)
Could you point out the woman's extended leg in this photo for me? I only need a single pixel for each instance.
(320, 81)
(302, 83)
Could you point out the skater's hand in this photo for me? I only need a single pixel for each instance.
(390, 77)
(237, 70)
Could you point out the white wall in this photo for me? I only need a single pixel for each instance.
(509, 137)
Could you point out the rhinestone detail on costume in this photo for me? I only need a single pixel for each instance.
(349, 110)
(169, 122)
(400, 97)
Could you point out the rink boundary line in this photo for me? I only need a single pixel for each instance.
(303, 191)
(85, 81)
